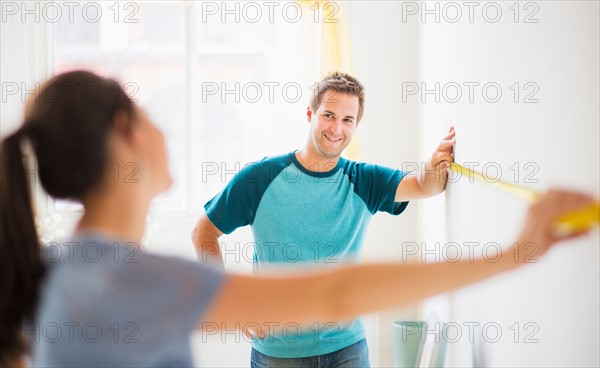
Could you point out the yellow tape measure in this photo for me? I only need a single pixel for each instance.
(569, 223)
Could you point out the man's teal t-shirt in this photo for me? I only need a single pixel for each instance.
(303, 217)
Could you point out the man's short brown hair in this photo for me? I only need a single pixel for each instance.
(341, 83)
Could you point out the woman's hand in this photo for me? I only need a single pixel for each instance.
(540, 224)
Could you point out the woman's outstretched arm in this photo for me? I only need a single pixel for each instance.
(351, 290)
(342, 293)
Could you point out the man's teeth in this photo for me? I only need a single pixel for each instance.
(331, 139)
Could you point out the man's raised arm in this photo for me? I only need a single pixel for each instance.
(431, 180)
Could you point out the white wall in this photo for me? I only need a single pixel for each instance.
(559, 296)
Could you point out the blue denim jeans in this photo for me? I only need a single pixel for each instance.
(353, 356)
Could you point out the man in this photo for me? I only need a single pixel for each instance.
(313, 206)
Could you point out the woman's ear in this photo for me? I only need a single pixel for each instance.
(126, 130)
(121, 123)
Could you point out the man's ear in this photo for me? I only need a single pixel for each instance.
(309, 114)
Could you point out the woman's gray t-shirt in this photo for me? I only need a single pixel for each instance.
(107, 303)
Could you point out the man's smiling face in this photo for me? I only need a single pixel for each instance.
(333, 124)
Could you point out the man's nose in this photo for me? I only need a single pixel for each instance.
(336, 127)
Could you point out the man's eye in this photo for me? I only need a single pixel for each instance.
(327, 115)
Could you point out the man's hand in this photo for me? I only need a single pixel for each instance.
(253, 332)
(431, 180)
(444, 155)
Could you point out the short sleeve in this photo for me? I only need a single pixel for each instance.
(377, 185)
(235, 206)
(124, 311)
(168, 295)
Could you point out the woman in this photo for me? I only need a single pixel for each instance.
(104, 302)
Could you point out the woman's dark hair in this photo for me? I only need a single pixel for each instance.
(68, 125)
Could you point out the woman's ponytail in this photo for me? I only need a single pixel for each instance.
(21, 266)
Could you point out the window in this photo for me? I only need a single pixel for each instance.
(226, 87)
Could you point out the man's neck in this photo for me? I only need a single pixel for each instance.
(314, 161)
